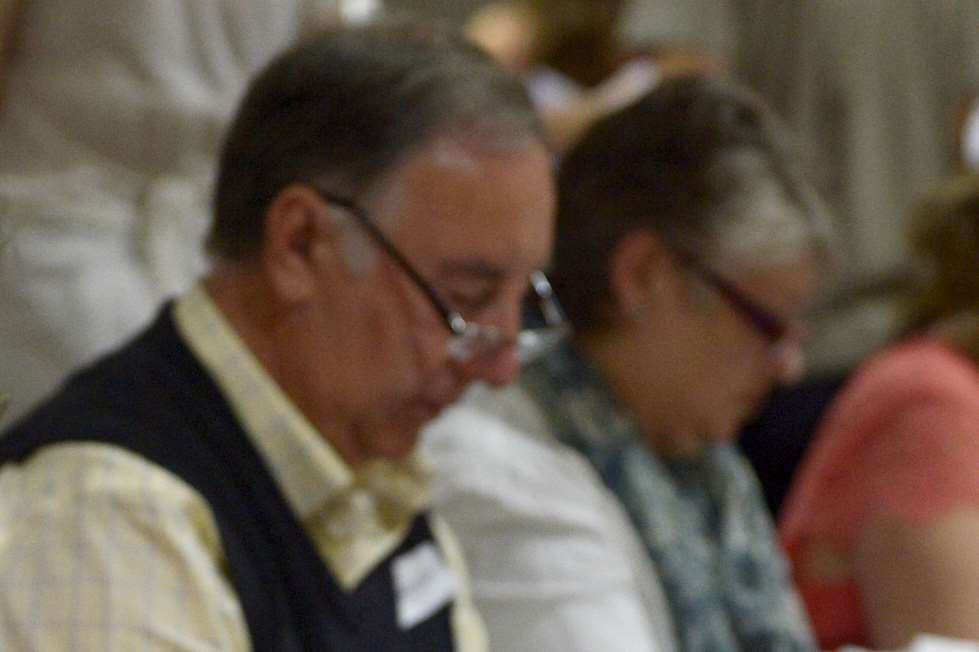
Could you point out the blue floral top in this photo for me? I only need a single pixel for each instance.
(703, 521)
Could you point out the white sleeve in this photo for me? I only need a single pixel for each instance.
(544, 542)
(102, 550)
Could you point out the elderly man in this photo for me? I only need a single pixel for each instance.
(241, 476)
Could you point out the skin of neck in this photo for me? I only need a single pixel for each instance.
(270, 327)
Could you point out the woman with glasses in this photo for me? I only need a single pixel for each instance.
(882, 519)
(601, 500)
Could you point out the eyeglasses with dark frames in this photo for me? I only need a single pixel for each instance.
(770, 325)
(469, 339)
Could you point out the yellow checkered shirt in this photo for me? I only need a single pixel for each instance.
(102, 550)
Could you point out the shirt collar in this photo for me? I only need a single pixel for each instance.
(357, 518)
(306, 467)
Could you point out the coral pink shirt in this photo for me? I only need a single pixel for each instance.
(901, 440)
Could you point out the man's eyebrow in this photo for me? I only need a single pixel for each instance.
(471, 269)
(481, 269)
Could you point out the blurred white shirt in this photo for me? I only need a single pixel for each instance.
(555, 564)
(929, 643)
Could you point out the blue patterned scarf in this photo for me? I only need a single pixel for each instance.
(703, 521)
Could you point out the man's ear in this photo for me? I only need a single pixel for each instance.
(637, 271)
(300, 239)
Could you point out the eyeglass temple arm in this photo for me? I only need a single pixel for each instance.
(453, 319)
(553, 315)
(771, 326)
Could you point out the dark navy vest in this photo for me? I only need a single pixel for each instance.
(152, 397)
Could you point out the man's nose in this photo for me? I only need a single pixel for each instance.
(500, 365)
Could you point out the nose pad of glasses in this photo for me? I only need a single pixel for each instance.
(533, 343)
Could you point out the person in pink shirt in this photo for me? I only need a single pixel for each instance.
(882, 522)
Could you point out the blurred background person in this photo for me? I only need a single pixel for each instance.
(688, 246)
(8, 19)
(872, 85)
(883, 519)
(576, 65)
(110, 116)
(4, 395)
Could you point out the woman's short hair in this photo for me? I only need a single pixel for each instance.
(700, 162)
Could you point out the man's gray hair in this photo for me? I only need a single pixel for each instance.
(345, 107)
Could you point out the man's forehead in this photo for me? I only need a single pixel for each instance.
(451, 154)
(470, 155)
(475, 203)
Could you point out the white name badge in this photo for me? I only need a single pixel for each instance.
(423, 584)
